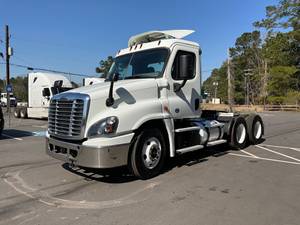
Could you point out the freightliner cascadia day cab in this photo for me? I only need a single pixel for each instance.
(41, 88)
(146, 111)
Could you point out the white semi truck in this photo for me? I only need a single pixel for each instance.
(12, 98)
(147, 111)
(41, 88)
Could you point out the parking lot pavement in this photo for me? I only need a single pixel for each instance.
(258, 185)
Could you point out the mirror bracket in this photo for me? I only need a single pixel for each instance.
(110, 100)
(177, 87)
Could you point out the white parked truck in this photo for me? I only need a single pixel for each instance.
(41, 88)
(147, 111)
(12, 98)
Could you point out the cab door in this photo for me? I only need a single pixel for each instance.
(183, 74)
(46, 99)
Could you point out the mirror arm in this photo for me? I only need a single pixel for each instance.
(177, 87)
(110, 100)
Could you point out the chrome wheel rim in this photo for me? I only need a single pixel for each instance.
(151, 152)
(257, 130)
(241, 133)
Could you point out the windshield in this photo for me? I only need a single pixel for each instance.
(144, 64)
(56, 90)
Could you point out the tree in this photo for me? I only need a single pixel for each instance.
(281, 80)
(20, 89)
(105, 66)
(274, 62)
(284, 15)
(247, 55)
(220, 76)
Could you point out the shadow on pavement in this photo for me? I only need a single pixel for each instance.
(115, 175)
(123, 175)
(14, 133)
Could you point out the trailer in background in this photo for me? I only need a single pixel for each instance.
(41, 88)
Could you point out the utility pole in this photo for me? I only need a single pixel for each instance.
(247, 73)
(265, 79)
(7, 66)
(215, 84)
(229, 79)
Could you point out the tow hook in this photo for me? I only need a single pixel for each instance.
(72, 164)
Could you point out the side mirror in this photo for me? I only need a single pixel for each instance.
(46, 92)
(186, 64)
(186, 70)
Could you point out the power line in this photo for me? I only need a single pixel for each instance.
(46, 70)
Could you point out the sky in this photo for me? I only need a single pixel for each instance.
(74, 35)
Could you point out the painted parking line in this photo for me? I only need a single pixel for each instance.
(278, 153)
(40, 126)
(15, 180)
(267, 159)
(34, 134)
(250, 154)
(11, 137)
(283, 147)
(39, 133)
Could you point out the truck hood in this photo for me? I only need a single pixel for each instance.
(134, 102)
(121, 88)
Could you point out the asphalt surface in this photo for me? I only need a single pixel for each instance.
(259, 185)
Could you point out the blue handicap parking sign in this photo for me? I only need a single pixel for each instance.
(9, 88)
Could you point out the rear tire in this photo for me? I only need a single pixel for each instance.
(239, 134)
(148, 153)
(17, 113)
(23, 113)
(255, 129)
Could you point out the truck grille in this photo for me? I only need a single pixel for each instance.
(67, 116)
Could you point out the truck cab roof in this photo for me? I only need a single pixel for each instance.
(157, 39)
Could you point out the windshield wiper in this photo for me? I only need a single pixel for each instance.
(140, 76)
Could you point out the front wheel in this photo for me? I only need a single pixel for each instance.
(148, 153)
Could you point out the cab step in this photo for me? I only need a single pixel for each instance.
(185, 129)
(189, 149)
(216, 142)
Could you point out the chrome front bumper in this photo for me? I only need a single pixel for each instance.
(93, 153)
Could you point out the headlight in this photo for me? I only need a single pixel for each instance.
(105, 126)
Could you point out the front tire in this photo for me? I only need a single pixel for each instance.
(148, 153)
